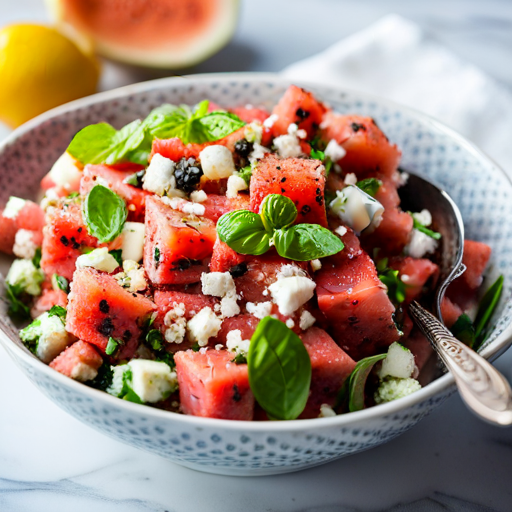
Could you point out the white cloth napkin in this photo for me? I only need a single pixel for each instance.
(395, 59)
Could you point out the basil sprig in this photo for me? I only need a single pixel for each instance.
(105, 213)
(102, 143)
(369, 185)
(279, 370)
(351, 395)
(391, 278)
(251, 233)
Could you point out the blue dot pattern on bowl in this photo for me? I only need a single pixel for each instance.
(477, 186)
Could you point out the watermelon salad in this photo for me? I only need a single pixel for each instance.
(234, 263)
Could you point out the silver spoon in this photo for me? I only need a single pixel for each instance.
(484, 389)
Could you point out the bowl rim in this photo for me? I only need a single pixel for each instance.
(439, 385)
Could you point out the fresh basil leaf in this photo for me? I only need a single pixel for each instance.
(17, 308)
(305, 242)
(117, 254)
(246, 173)
(279, 370)
(61, 282)
(92, 144)
(155, 339)
(352, 392)
(112, 346)
(369, 185)
(244, 232)
(317, 154)
(486, 309)
(105, 213)
(58, 311)
(464, 330)
(131, 396)
(36, 260)
(277, 212)
(135, 179)
(126, 140)
(218, 125)
(395, 286)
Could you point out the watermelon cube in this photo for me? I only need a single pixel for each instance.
(177, 247)
(450, 312)
(414, 273)
(301, 180)
(217, 205)
(224, 258)
(80, 361)
(245, 323)
(212, 386)
(47, 300)
(249, 114)
(99, 308)
(330, 367)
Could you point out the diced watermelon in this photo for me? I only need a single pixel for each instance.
(47, 300)
(224, 258)
(245, 323)
(330, 367)
(301, 180)
(100, 308)
(114, 176)
(414, 273)
(354, 301)
(369, 152)
(300, 107)
(64, 237)
(249, 114)
(421, 348)
(217, 205)
(177, 247)
(450, 312)
(72, 360)
(212, 386)
(30, 217)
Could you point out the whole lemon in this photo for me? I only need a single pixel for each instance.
(40, 69)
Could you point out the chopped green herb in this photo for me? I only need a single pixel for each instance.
(370, 185)
(61, 282)
(112, 346)
(245, 173)
(195, 347)
(156, 256)
(395, 286)
(36, 260)
(420, 227)
(155, 339)
(118, 256)
(58, 311)
(104, 378)
(17, 308)
(135, 179)
(485, 311)
(239, 359)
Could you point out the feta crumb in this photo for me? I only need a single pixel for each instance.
(13, 207)
(229, 306)
(316, 265)
(269, 122)
(176, 323)
(405, 278)
(203, 326)
(290, 323)
(350, 179)
(399, 362)
(290, 293)
(424, 217)
(198, 196)
(24, 274)
(219, 346)
(257, 153)
(100, 259)
(152, 381)
(341, 230)
(217, 284)
(83, 372)
(326, 411)
(135, 273)
(24, 246)
(235, 184)
(132, 237)
(264, 292)
(254, 132)
(420, 244)
(235, 343)
(334, 151)
(177, 311)
(306, 320)
(66, 171)
(293, 129)
(159, 177)
(259, 310)
(182, 205)
(290, 270)
(217, 162)
(287, 146)
(403, 178)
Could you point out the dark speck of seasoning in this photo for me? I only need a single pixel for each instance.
(283, 180)
(302, 114)
(104, 307)
(283, 190)
(353, 319)
(64, 240)
(238, 270)
(357, 126)
(278, 168)
(127, 336)
(236, 393)
(305, 209)
(106, 327)
(355, 302)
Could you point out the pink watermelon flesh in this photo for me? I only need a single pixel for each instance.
(80, 352)
(418, 272)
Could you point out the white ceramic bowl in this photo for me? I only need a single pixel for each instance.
(479, 187)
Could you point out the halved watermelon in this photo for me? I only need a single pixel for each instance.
(80, 361)
(212, 386)
(301, 180)
(99, 308)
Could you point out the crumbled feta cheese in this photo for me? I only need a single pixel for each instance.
(176, 324)
(217, 162)
(293, 129)
(25, 275)
(13, 207)
(254, 132)
(420, 244)
(235, 184)
(235, 343)
(83, 372)
(217, 284)
(219, 346)
(100, 259)
(66, 171)
(229, 306)
(159, 177)
(269, 122)
(306, 320)
(399, 362)
(184, 206)
(405, 278)
(133, 241)
(334, 151)
(24, 246)
(424, 217)
(392, 388)
(290, 293)
(152, 381)
(290, 270)
(47, 337)
(326, 411)
(403, 178)
(290, 323)
(136, 276)
(316, 265)
(350, 179)
(203, 326)
(257, 153)
(198, 196)
(177, 311)
(341, 230)
(259, 310)
(287, 146)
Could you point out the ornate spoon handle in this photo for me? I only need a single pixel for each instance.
(484, 389)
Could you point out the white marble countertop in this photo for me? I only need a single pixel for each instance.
(49, 462)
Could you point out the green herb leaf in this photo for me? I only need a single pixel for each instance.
(317, 154)
(36, 260)
(218, 125)
(486, 309)
(131, 396)
(395, 286)
(92, 144)
(352, 392)
(305, 242)
(117, 254)
(104, 378)
(155, 339)
(279, 370)
(61, 282)
(370, 186)
(244, 232)
(17, 308)
(105, 213)
(195, 347)
(112, 346)
(135, 179)
(420, 227)
(239, 359)
(464, 330)
(156, 256)
(277, 212)
(58, 311)
(245, 173)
